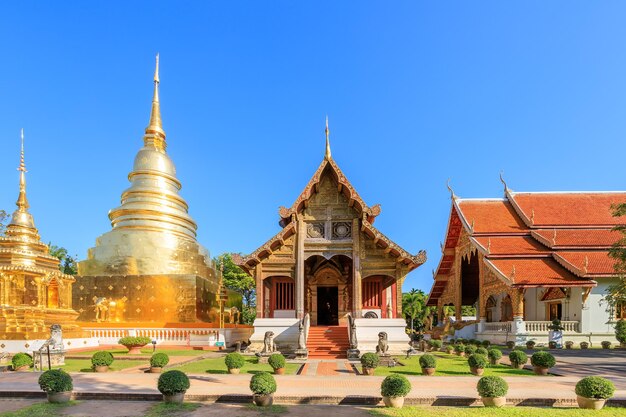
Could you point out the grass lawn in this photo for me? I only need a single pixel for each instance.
(447, 365)
(84, 365)
(497, 412)
(39, 410)
(147, 351)
(216, 366)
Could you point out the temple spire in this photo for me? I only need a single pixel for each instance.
(22, 201)
(328, 155)
(155, 135)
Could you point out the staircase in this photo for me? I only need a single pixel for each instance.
(328, 342)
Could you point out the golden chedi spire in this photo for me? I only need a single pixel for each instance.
(155, 135)
(328, 154)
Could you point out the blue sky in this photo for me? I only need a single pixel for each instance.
(416, 92)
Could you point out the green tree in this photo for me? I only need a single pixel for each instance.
(616, 293)
(67, 263)
(238, 280)
(414, 308)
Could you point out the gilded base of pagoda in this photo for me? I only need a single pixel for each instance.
(146, 299)
(31, 323)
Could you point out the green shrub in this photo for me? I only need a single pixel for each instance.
(470, 349)
(21, 359)
(494, 354)
(134, 341)
(477, 361)
(428, 361)
(492, 386)
(263, 383)
(370, 360)
(486, 343)
(556, 326)
(449, 349)
(234, 360)
(159, 360)
(606, 344)
(459, 347)
(543, 359)
(530, 344)
(55, 380)
(584, 345)
(620, 331)
(475, 342)
(519, 348)
(173, 382)
(552, 344)
(451, 341)
(595, 387)
(510, 344)
(102, 358)
(435, 344)
(395, 386)
(482, 351)
(517, 357)
(460, 340)
(276, 361)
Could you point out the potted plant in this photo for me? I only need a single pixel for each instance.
(393, 390)
(369, 362)
(435, 345)
(556, 333)
(492, 391)
(157, 362)
(428, 364)
(234, 362)
(552, 345)
(620, 332)
(510, 344)
(477, 364)
(173, 385)
(101, 361)
(482, 351)
(21, 362)
(518, 359)
(606, 344)
(277, 362)
(494, 356)
(593, 391)
(469, 350)
(57, 384)
(486, 343)
(449, 349)
(530, 344)
(134, 343)
(542, 361)
(263, 386)
(584, 345)
(459, 349)
(569, 345)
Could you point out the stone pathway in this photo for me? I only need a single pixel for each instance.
(318, 367)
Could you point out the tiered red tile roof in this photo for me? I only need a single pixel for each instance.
(536, 239)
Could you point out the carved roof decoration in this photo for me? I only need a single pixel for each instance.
(275, 242)
(413, 261)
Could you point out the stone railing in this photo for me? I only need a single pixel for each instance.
(163, 336)
(543, 326)
(504, 326)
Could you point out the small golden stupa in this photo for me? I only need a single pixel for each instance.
(149, 268)
(34, 293)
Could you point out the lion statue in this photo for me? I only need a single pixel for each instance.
(383, 345)
(268, 342)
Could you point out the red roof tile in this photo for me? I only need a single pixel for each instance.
(576, 238)
(537, 272)
(597, 262)
(491, 216)
(512, 245)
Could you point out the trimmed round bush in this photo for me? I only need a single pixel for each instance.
(486, 343)
(102, 358)
(494, 354)
(263, 383)
(451, 341)
(370, 360)
(159, 360)
(134, 341)
(428, 361)
(492, 386)
(530, 344)
(395, 386)
(595, 387)
(55, 380)
(481, 351)
(620, 331)
(21, 359)
(276, 361)
(543, 359)
(477, 361)
(475, 342)
(173, 382)
(460, 340)
(510, 344)
(584, 345)
(234, 360)
(517, 357)
(569, 344)
(459, 347)
(606, 344)
(552, 344)
(449, 349)
(470, 349)
(435, 344)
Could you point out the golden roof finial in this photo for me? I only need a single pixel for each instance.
(22, 202)
(327, 131)
(155, 134)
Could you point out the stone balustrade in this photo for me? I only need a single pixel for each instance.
(544, 326)
(163, 336)
(504, 326)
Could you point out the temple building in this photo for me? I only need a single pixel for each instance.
(34, 293)
(527, 259)
(149, 268)
(329, 261)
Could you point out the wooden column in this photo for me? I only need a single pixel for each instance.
(398, 289)
(299, 288)
(260, 297)
(517, 302)
(357, 298)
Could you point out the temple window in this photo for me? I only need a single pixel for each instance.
(372, 293)
(283, 294)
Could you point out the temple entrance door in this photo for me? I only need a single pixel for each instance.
(327, 306)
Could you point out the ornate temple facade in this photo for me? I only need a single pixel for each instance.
(527, 259)
(149, 268)
(34, 293)
(328, 261)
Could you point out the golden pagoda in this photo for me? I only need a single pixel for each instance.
(34, 293)
(150, 267)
